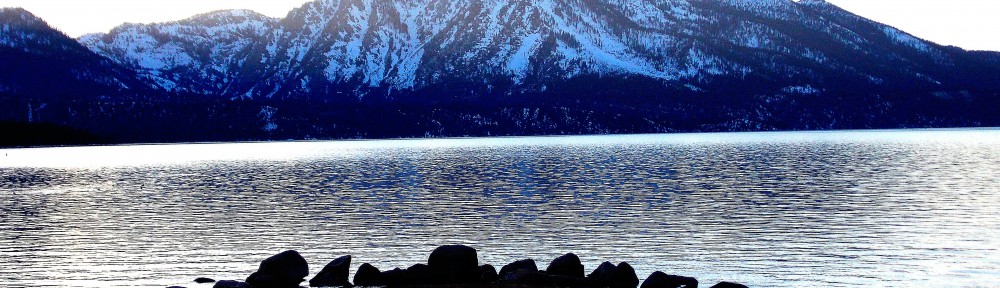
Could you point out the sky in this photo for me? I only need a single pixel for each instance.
(970, 24)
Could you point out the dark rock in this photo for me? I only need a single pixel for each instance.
(230, 284)
(265, 280)
(203, 280)
(729, 285)
(395, 277)
(528, 277)
(567, 265)
(521, 265)
(662, 280)
(420, 274)
(624, 276)
(286, 269)
(368, 275)
(454, 264)
(488, 274)
(336, 273)
(601, 277)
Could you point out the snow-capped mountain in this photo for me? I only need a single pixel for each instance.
(409, 45)
(414, 68)
(202, 54)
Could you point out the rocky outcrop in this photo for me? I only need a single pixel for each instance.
(454, 264)
(458, 266)
(336, 273)
(286, 269)
(567, 265)
(662, 280)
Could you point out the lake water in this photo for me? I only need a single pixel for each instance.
(800, 209)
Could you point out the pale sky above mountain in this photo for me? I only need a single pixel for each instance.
(970, 24)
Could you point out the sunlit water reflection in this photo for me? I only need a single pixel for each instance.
(809, 209)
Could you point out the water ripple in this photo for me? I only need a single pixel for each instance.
(846, 209)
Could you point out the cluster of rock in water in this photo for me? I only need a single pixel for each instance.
(455, 266)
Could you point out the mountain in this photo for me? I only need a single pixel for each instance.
(42, 65)
(413, 68)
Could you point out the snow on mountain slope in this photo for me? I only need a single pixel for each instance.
(360, 45)
(201, 54)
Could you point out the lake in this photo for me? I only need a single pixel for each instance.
(904, 208)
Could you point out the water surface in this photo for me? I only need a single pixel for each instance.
(798, 209)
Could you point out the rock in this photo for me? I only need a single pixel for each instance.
(507, 271)
(528, 277)
(230, 284)
(624, 276)
(601, 277)
(395, 277)
(662, 280)
(729, 285)
(368, 275)
(203, 280)
(336, 273)
(286, 269)
(488, 274)
(265, 280)
(454, 264)
(420, 274)
(567, 265)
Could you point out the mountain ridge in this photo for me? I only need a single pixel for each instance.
(373, 69)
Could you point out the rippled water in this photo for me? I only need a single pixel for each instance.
(803, 209)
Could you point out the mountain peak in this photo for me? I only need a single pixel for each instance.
(19, 16)
(233, 14)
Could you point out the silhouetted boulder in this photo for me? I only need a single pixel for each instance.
(265, 280)
(203, 280)
(506, 272)
(488, 274)
(567, 265)
(624, 276)
(420, 274)
(729, 285)
(454, 264)
(601, 277)
(286, 269)
(609, 275)
(230, 284)
(395, 277)
(335, 273)
(368, 275)
(662, 280)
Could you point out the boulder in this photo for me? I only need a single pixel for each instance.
(230, 284)
(395, 277)
(662, 280)
(368, 275)
(420, 274)
(265, 280)
(624, 276)
(488, 274)
(507, 271)
(729, 285)
(609, 275)
(601, 277)
(567, 265)
(335, 273)
(203, 280)
(454, 264)
(286, 269)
